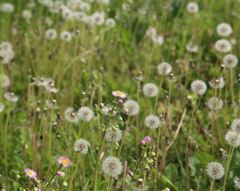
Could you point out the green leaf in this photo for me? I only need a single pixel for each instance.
(204, 158)
(168, 183)
(103, 186)
(171, 172)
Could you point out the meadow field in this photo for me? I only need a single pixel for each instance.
(103, 95)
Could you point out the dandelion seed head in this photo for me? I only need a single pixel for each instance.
(27, 14)
(81, 146)
(85, 7)
(235, 126)
(113, 135)
(217, 83)
(85, 114)
(152, 122)
(232, 138)
(108, 110)
(236, 181)
(67, 14)
(151, 32)
(110, 23)
(215, 103)
(4, 80)
(215, 170)
(51, 88)
(157, 39)
(223, 46)
(105, 2)
(230, 61)
(141, 188)
(98, 18)
(80, 16)
(6, 7)
(51, 104)
(66, 36)
(224, 29)
(2, 106)
(198, 87)
(164, 68)
(51, 34)
(192, 7)
(150, 90)
(11, 97)
(112, 166)
(70, 115)
(132, 107)
(191, 47)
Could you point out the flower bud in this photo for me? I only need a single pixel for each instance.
(65, 184)
(120, 101)
(101, 105)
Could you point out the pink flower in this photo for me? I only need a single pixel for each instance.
(120, 101)
(30, 173)
(142, 142)
(125, 111)
(64, 161)
(59, 173)
(147, 139)
(117, 93)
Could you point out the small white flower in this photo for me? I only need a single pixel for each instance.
(230, 61)
(223, 46)
(112, 166)
(81, 146)
(224, 29)
(215, 170)
(164, 68)
(150, 90)
(152, 121)
(192, 7)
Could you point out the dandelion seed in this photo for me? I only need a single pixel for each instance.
(215, 170)
(192, 7)
(198, 87)
(67, 14)
(6, 7)
(230, 61)
(236, 181)
(150, 90)
(41, 81)
(112, 166)
(85, 114)
(157, 39)
(224, 29)
(110, 23)
(164, 68)
(232, 138)
(2, 106)
(236, 125)
(152, 122)
(11, 97)
(223, 46)
(70, 115)
(81, 146)
(85, 7)
(66, 36)
(98, 18)
(51, 34)
(4, 79)
(217, 83)
(113, 135)
(64, 161)
(30, 173)
(27, 14)
(215, 103)
(132, 106)
(191, 47)
(80, 16)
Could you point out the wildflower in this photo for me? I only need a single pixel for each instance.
(152, 122)
(27, 14)
(198, 87)
(235, 126)
(142, 142)
(120, 101)
(51, 34)
(157, 39)
(30, 173)
(230, 61)
(85, 114)
(117, 93)
(6, 7)
(126, 111)
(10, 97)
(112, 166)
(64, 161)
(70, 115)
(150, 90)
(164, 68)
(215, 103)
(59, 173)
(236, 181)
(81, 146)
(192, 7)
(191, 47)
(4, 80)
(132, 106)
(224, 29)
(215, 170)
(66, 36)
(217, 83)
(110, 23)
(223, 46)
(147, 139)
(232, 138)
(113, 135)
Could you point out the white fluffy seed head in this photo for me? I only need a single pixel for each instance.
(67, 14)
(215, 170)
(80, 16)
(70, 115)
(198, 87)
(85, 114)
(230, 61)
(10, 97)
(191, 47)
(98, 18)
(236, 181)
(157, 39)
(110, 23)
(2, 106)
(132, 106)
(113, 135)
(85, 7)
(81, 146)
(236, 125)
(51, 34)
(112, 166)
(224, 29)
(223, 45)
(164, 68)
(105, 2)
(51, 104)
(151, 32)
(150, 90)
(66, 36)
(152, 121)
(215, 103)
(6, 7)
(192, 7)
(108, 109)
(232, 138)
(217, 83)
(4, 79)
(27, 14)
